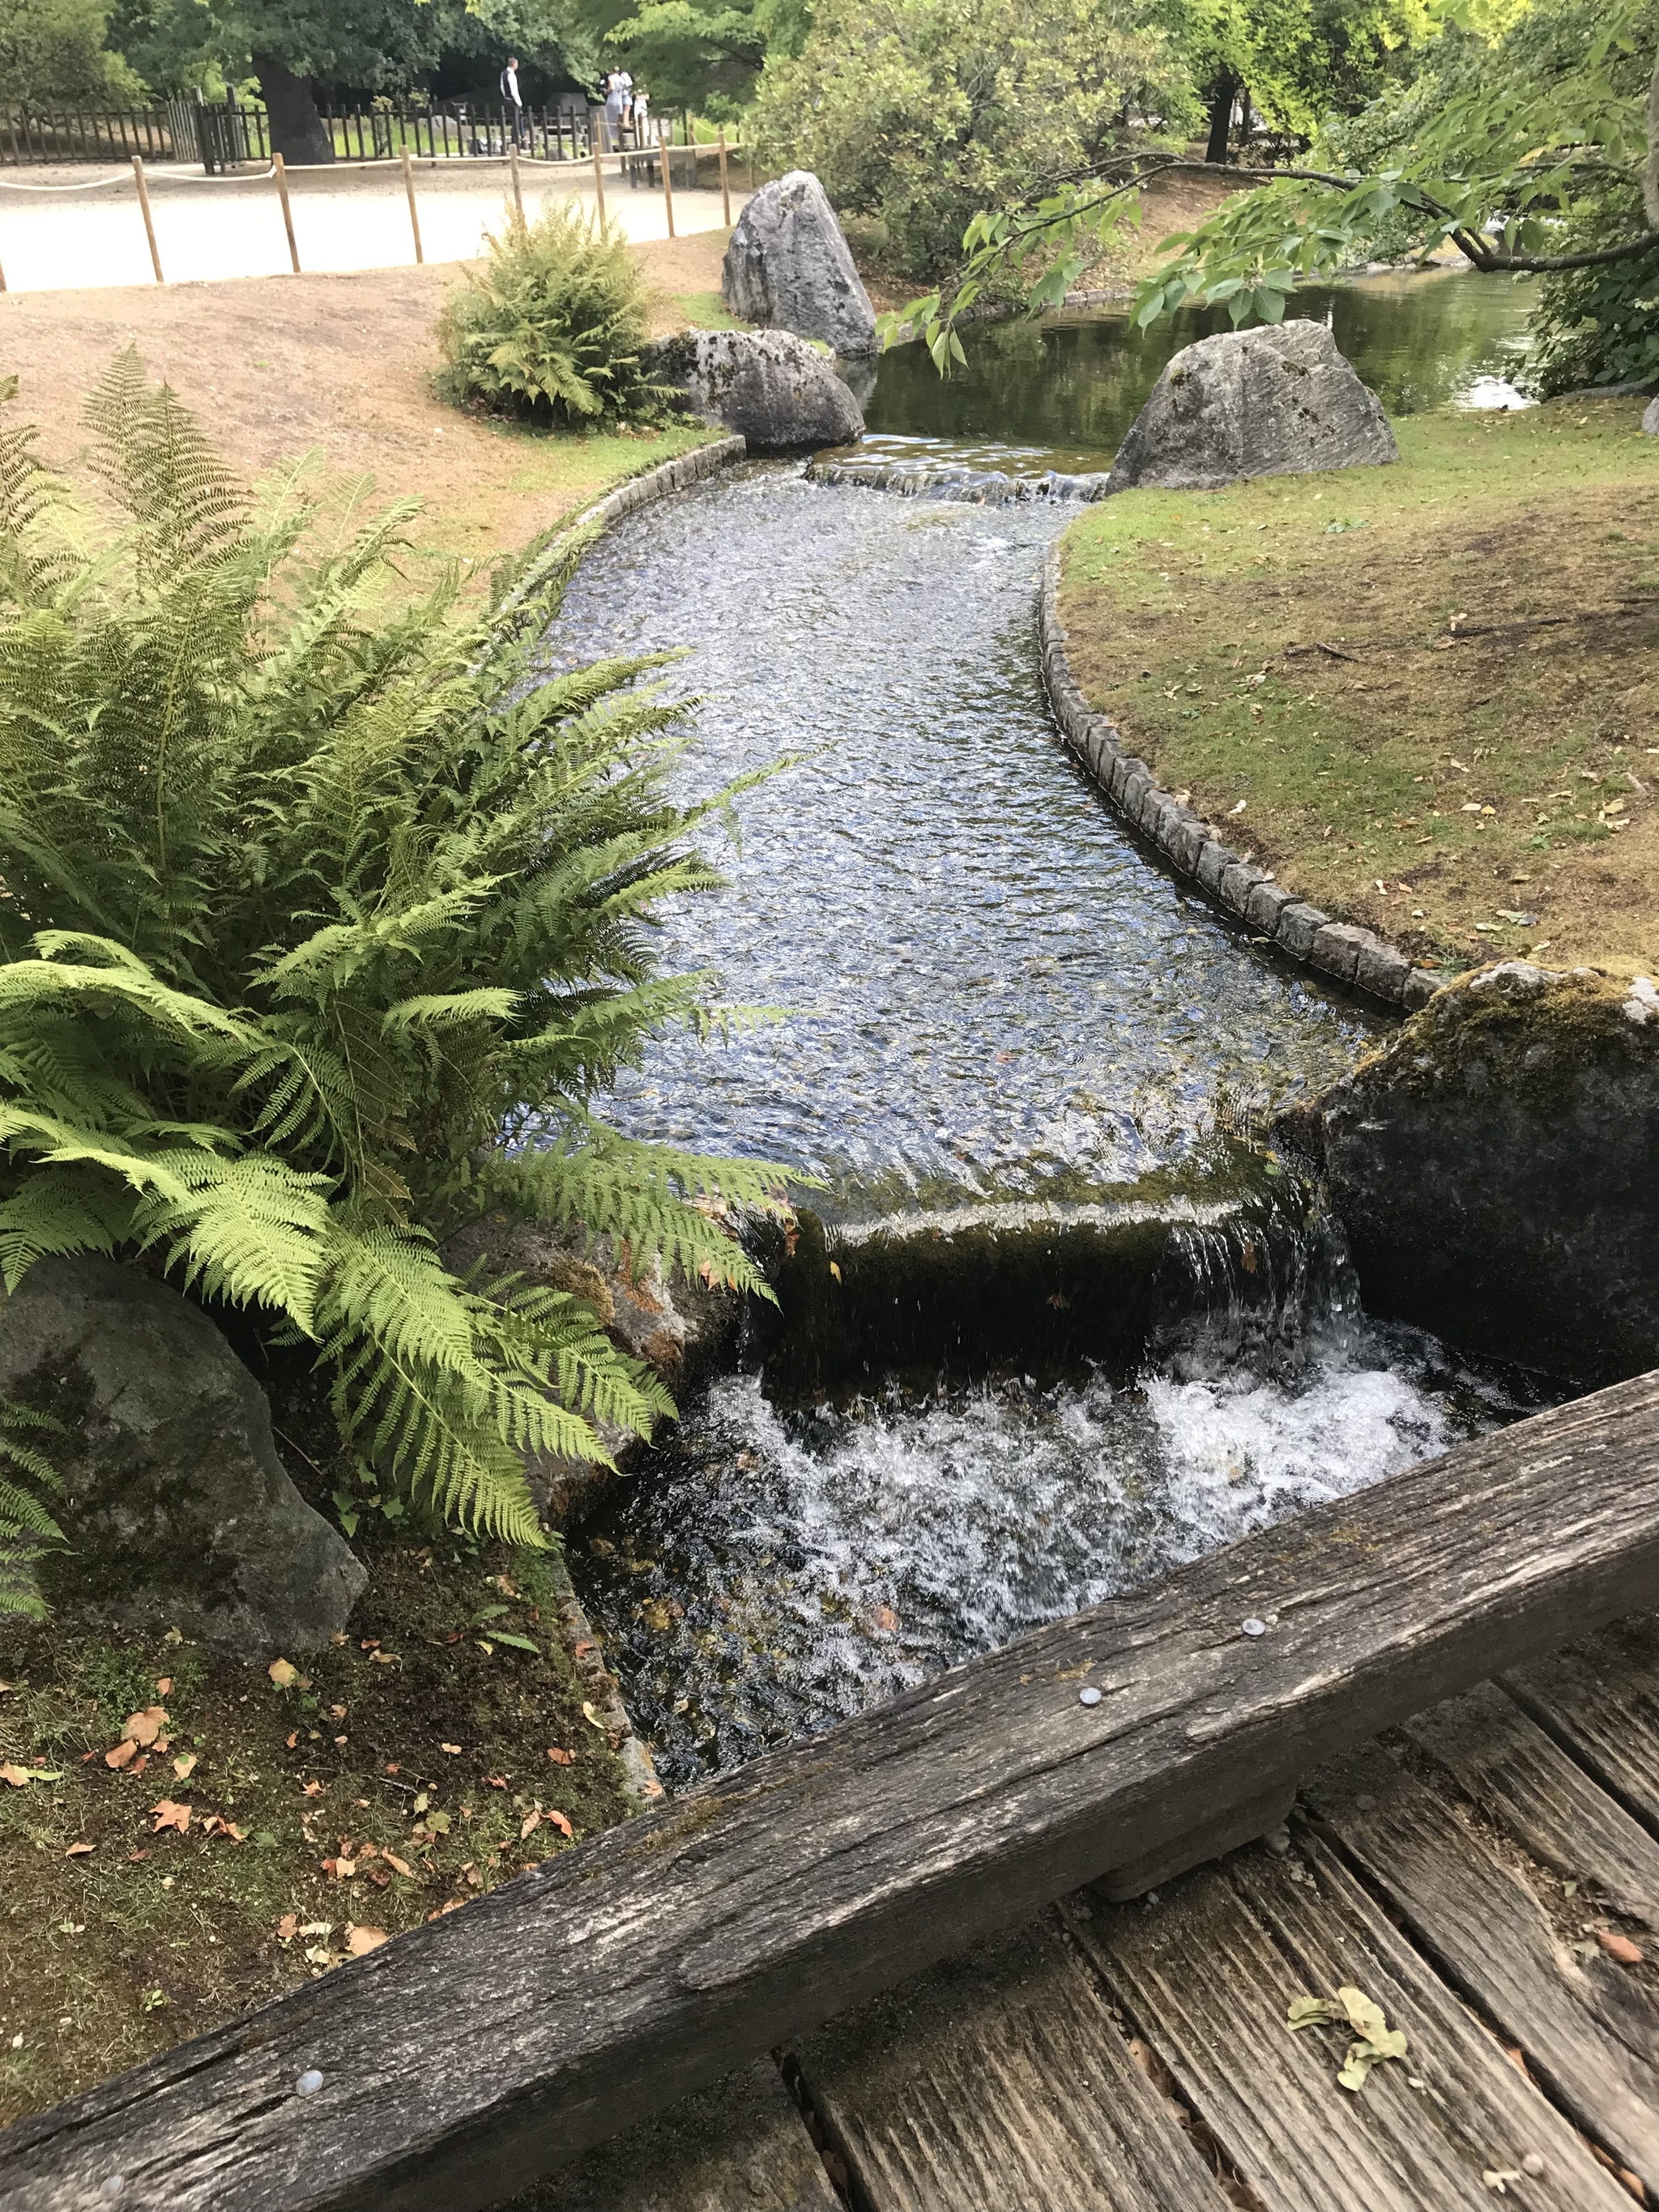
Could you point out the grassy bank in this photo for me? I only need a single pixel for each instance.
(1425, 696)
(387, 1779)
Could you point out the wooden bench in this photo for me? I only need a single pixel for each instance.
(462, 2061)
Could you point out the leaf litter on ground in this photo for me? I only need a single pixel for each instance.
(1373, 2038)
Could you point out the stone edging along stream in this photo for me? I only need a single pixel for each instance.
(1348, 955)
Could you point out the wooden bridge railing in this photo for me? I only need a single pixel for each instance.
(454, 2065)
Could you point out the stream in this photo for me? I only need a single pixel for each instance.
(992, 995)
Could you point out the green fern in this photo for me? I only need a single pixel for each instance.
(26, 1530)
(324, 922)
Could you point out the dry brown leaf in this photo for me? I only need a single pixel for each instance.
(400, 1866)
(591, 1717)
(360, 1941)
(1619, 1946)
(560, 1822)
(454, 1749)
(289, 1926)
(79, 1850)
(164, 1686)
(143, 1728)
(284, 1673)
(562, 1758)
(185, 1765)
(529, 1824)
(170, 1815)
(122, 1754)
(311, 1790)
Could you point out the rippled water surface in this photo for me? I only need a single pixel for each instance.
(990, 989)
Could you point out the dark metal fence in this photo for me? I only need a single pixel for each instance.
(222, 135)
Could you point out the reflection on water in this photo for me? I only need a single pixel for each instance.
(1060, 392)
(991, 991)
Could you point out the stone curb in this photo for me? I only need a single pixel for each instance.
(1192, 847)
(639, 1775)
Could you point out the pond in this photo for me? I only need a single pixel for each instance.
(1061, 392)
(992, 993)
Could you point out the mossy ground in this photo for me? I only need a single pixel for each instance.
(421, 1738)
(1425, 696)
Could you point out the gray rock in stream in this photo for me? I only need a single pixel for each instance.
(177, 1511)
(775, 390)
(1273, 402)
(1496, 1166)
(788, 268)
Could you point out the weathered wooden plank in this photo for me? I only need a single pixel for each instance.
(471, 2056)
(1589, 2028)
(1600, 1698)
(1207, 1977)
(1000, 2082)
(1523, 1781)
(739, 2147)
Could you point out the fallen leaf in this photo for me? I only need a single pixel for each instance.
(560, 1822)
(79, 1850)
(292, 1741)
(143, 1728)
(529, 1824)
(495, 1781)
(454, 1749)
(170, 1815)
(385, 1659)
(1619, 1946)
(311, 1790)
(393, 1767)
(122, 1754)
(399, 1866)
(185, 1765)
(284, 1673)
(137, 1858)
(164, 1686)
(561, 1758)
(360, 1941)
(591, 1717)
(20, 1777)
(289, 1926)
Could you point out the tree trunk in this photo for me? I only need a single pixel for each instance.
(1650, 168)
(1223, 92)
(296, 128)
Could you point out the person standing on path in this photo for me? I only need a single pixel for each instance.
(613, 108)
(512, 104)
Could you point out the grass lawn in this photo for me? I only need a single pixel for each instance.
(1425, 696)
(398, 1774)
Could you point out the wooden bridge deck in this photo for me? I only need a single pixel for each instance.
(1464, 1870)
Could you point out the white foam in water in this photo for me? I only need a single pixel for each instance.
(775, 1572)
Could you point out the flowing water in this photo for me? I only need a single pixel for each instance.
(992, 993)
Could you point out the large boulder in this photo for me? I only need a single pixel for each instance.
(1496, 1166)
(1262, 403)
(177, 1511)
(788, 268)
(775, 390)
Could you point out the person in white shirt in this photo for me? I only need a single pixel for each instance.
(512, 101)
(613, 108)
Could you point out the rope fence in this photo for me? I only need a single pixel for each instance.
(654, 162)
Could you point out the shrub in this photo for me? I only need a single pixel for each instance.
(323, 921)
(921, 113)
(27, 1528)
(555, 326)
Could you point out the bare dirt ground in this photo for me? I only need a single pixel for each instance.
(276, 366)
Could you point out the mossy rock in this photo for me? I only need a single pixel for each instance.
(1496, 1166)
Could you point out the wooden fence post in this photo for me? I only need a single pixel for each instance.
(280, 172)
(149, 227)
(726, 188)
(414, 213)
(599, 159)
(518, 195)
(665, 139)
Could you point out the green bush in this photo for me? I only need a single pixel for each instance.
(921, 113)
(555, 326)
(1598, 325)
(323, 919)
